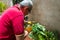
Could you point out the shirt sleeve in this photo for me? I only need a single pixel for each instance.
(18, 25)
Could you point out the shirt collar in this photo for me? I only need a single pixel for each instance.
(16, 5)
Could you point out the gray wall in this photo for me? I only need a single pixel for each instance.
(47, 12)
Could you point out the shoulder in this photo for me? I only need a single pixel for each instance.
(13, 12)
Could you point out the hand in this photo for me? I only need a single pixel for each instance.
(26, 33)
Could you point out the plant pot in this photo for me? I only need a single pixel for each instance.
(27, 38)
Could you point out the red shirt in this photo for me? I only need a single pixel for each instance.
(11, 23)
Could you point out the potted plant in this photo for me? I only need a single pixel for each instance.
(2, 7)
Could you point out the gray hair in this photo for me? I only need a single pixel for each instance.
(28, 3)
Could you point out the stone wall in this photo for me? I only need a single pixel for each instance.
(46, 12)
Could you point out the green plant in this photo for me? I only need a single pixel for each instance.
(39, 32)
(2, 6)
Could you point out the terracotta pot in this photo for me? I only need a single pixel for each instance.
(27, 38)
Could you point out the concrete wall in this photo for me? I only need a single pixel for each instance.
(47, 12)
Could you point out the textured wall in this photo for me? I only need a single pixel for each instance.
(47, 12)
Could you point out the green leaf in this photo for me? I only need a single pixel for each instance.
(2, 6)
(41, 37)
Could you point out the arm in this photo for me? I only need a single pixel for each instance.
(18, 25)
(20, 37)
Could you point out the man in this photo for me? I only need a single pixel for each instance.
(12, 21)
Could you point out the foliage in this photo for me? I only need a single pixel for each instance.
(39, 32)
(2, 6)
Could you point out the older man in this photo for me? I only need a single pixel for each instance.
(12, 21)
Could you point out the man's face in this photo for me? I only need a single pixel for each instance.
(26, 11)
